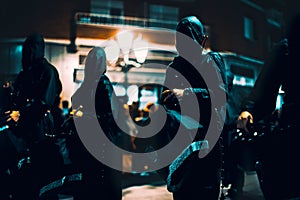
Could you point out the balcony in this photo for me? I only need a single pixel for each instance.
(122, 21)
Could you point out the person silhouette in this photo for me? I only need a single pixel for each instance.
(36, 93)
(278, 169)
(199, 177)
(96, 98)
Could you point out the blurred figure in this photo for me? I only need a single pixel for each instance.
(199, 178)
(128, 125)
(278, 169)
(96, 97)
(65, 109)
(5, 96)
(150, 120)
(8, 152)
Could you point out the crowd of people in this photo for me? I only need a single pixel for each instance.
(40, 142)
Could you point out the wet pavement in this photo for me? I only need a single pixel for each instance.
(152, 187)
(136, 188)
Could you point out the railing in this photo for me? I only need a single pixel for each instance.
(111, 20)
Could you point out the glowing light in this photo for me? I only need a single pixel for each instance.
(112, 51)
(119, 90)
(125, 39)
(132, 93)
(140, 48)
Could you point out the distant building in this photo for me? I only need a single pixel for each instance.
(241, 29)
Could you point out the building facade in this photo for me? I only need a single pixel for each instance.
(237, 28)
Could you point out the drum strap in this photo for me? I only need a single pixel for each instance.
(174, 166)
(60, 182)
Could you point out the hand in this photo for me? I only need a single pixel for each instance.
(169, 99)
(166, 96)
(178, 92)
(244, 119)
(13, 115)
(77, 112)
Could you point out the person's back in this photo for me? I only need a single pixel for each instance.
(278, 71)
(287, 137)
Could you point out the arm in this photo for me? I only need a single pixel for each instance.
(51, 87)
(262, 99)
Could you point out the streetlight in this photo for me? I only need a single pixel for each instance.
(119, 52)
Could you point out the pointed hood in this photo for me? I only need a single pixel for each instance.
(33, 50)
(95, 64)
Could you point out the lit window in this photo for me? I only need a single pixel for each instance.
(147, 96)
(163, 12)
(243, 81)
(279, 100)
(160, 14)
(248, 28)
(110, 7)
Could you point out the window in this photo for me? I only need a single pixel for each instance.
(110, 7)
(116, 11)
(78, 75)
(82, 59)
(248, 28)
(243, 81)
(161, 12)
(279, 100)
(163, 16)
(275, 18)
(242, 76)
(148, 93)
(242, 71)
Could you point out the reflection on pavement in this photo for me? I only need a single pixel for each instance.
(151, 192)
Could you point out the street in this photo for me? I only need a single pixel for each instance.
(158, 191)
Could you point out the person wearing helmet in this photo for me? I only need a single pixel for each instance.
(195, 178)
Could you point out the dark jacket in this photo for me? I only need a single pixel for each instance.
(101, 96)
(96, 98)
(277, 71)
(96, 94)
(36, 92)
(281, 143)
(40, 83)
(36, 89)
(182, 74)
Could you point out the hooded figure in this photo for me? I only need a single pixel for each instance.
(96, 90)
(96, 98)
(33, 50)
(36, 93)
(95, 68)
(39, 80)
(36, 88)
(187, 93)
